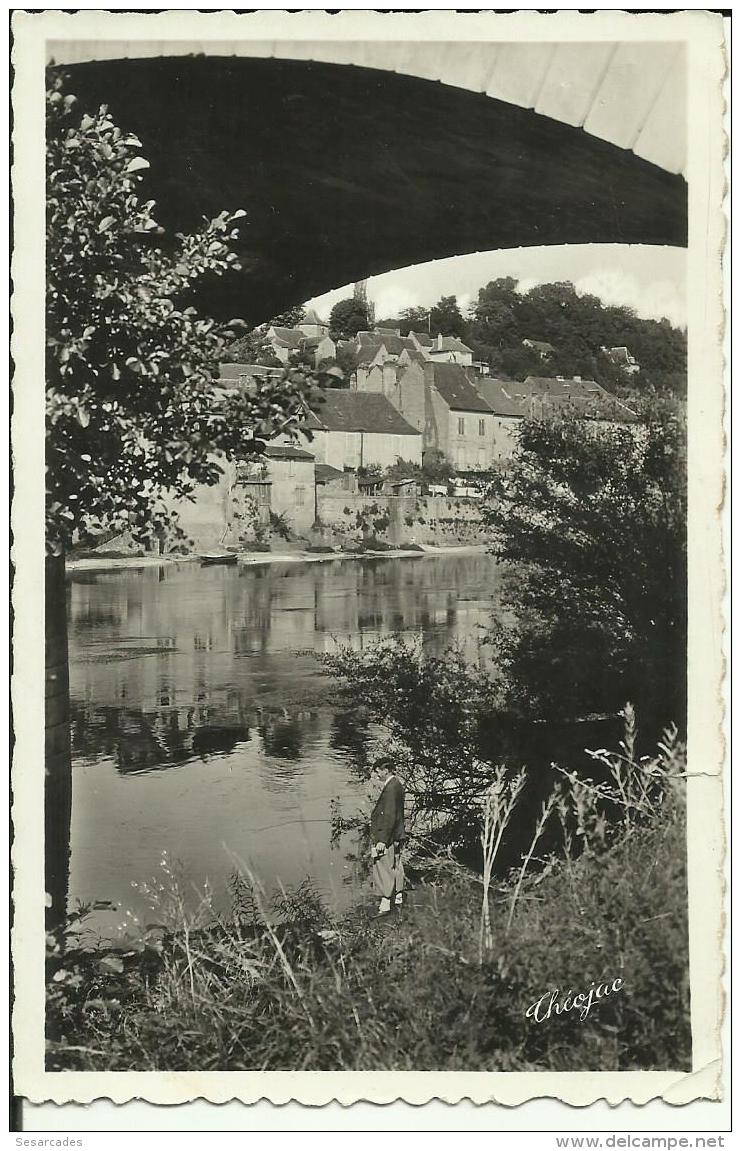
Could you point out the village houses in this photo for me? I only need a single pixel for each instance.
(441, 401)
(310, 336)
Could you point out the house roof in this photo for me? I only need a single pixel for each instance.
(325, 473)
(422, 338)
(234, 371)
(387, 331)
(394, 345)
(311, 317)
(415, 356)
(586, 397)
(539, 345)
(315, 341)
(620, 355)
(289, 337)
(455, 387)
(287, 452)
(449, 344)
(501, 395)
(345, 411)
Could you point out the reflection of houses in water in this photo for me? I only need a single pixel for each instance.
(162, 671)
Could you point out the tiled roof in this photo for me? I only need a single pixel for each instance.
(344, 411)
(422, 338)
(501, 396)
(325, 473)
(586, 397)
(234, 371)
(290, 337)
(539, 345)
(455, 387)
(450, 344)
(286, 452)
(314, 341)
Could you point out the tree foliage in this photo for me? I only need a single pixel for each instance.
(347, 318)
(134, 418)
(578, 327)
(592, 523)
(446, 317)
(435, 711)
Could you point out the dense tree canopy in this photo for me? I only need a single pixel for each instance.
(593, 525)
(446, 317)
(578, 327)
(133, 416)
(347, 318)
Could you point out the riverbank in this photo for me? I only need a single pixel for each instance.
(255, 559)
(284, 986)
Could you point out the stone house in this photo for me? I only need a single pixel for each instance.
(539, 397)
(508, 412)
(544, 396)
(541, 347)
(322, 348)
(623, 359)
(287, 342)
(312, 326)
(291, 474)
(284, 342)
(441, 401)
(360, 429)
(335, 481)
(449, 349)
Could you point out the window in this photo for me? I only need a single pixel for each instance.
(300, 492)
(482, 428)
(292, 467)
(461, 426)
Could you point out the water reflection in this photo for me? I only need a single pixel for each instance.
(213, 672)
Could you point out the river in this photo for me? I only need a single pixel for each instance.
(203, 727)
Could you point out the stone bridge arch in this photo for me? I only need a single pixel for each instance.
(350, 166)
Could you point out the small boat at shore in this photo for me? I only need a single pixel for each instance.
(222, 558)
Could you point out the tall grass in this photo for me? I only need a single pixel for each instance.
(280, 984)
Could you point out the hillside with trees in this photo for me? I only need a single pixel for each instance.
(578, 326)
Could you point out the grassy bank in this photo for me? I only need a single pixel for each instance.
(282, 986)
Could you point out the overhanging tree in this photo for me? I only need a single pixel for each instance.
(134, 417)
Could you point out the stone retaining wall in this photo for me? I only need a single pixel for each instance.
(399, 519)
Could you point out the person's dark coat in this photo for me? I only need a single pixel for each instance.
(387, 817)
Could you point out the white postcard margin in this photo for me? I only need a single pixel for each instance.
(704, 34)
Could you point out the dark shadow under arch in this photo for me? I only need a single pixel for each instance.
(348, 172)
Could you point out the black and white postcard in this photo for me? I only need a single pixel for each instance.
(368, 444)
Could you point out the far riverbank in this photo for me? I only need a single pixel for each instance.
(255, 559)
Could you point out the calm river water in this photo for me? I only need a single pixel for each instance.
(203, 727)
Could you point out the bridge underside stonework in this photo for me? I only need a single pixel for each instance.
(346, 172)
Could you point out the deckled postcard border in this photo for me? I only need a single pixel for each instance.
(704, 34)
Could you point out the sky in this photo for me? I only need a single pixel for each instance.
(652, 280)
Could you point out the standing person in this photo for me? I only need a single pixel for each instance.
(387, 836)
